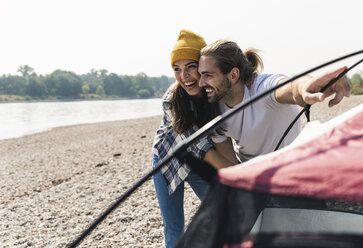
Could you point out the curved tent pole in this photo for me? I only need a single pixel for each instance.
(180, 150)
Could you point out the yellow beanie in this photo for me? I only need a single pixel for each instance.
(187, 46)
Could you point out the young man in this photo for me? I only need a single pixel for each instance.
(230, 77)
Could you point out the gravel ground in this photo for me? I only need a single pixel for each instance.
(54, 184)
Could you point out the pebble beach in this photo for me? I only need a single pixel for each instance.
(55, 183)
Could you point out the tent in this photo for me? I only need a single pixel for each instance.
(309, 194)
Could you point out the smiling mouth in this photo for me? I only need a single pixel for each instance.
(190, 84)
(209, 91)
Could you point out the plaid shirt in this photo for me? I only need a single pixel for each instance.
(166, 139)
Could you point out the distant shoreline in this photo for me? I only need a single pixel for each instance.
(22, 99)
(90, 97)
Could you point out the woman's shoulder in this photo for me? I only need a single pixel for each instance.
(167, 103)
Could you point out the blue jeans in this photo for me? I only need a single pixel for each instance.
(171, 206)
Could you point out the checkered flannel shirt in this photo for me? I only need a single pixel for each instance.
(166, 139)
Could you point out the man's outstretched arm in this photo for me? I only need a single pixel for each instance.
(306, 90)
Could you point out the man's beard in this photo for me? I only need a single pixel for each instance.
(221, 91)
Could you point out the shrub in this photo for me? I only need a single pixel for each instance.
(143, 93)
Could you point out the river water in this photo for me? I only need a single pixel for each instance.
(18, 119)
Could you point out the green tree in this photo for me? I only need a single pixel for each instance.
(14, 85)
(129, 87)
(85, 89)
(143, 93)
(25, 70)
(357, 80)
(357, 83)
(142, 82)
(160, 85)
(113, 85)
(92, 79)
(3, 84)
(103, 74)
(35, 87)
(99, 90)
(63, 83)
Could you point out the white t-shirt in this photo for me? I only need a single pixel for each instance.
(258, 128)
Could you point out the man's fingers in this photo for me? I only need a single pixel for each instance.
(346, 86)
(337, 98)
(341, 89)
(321, 81)
(312, 98)
(333, 74)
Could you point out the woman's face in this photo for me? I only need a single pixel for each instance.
(186, 73)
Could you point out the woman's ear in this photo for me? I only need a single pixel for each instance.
(233, 75)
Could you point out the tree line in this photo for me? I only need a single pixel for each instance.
(95, 84)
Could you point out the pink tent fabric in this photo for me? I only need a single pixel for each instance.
(327, 167)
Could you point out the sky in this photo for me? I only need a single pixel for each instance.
(129, 37)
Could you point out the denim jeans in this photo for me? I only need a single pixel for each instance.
(171, 206)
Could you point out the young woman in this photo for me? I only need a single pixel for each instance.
(186, 109)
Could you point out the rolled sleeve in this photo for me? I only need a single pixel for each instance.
(202, 147)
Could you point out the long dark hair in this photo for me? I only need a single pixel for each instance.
(188, 111)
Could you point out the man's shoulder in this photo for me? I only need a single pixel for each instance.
(267, 80)
(261, 78)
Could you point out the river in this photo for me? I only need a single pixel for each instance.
(18, 119)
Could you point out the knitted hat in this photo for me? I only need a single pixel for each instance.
(187, 46)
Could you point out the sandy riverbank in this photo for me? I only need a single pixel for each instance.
(54, 184)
